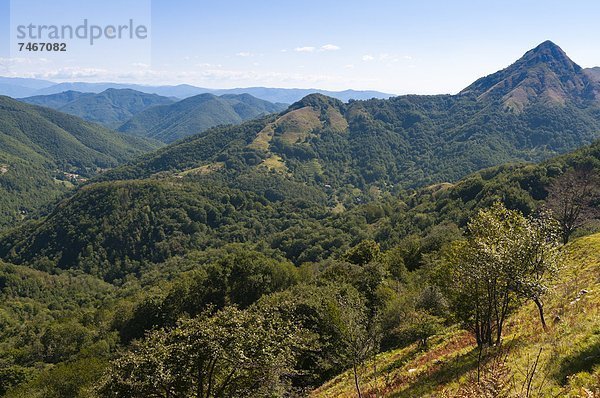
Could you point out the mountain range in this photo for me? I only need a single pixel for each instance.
(340, 155)
(542, 105)
(154, 116)
(110, 108)
(407, 141)
(196, 114)
(22, 87)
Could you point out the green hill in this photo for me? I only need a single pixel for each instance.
(402, 142)
(54, 101)
(110, 108)
(42, 152)
(196, 114)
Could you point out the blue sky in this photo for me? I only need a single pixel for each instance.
(400, 47)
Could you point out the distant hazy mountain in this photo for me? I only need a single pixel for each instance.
(54, 101)
(21, 87)
(111, 107)
(196, 114)
(291, 95)
(17, 88)
(42, 149)
(593, 73)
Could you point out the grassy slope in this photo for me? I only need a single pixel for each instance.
(569, 364)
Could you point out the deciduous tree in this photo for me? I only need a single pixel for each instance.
(571, 198)
(506, 256)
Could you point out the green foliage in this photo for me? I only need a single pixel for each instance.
(239, 277)
(74, 379)
(505, 256)
(51, 319)
(419, 326)
(11, 376)
(359, 336)
(232, 353)
(322, 312)
(113, 229)
(363, 253)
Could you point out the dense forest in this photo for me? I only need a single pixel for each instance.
(395, 247)
(182, 257)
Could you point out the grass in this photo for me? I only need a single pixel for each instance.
(275, 162)
(311, 167)
(298, 124)
(202, 170)
(337, 121)
(263, 138)
(569, 352)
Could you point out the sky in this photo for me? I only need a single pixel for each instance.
(398, 47)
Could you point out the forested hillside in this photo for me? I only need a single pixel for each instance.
(165, 246)
(43, 152)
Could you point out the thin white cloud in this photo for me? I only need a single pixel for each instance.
(244, 54)
(329, 47)
(23, 60)
(72, 73)
(367, 58)
(349, 66)
(208, 65)
(311, 49)
(305, 49)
